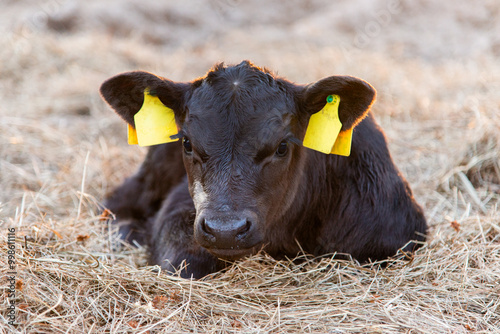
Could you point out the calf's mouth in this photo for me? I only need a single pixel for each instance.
(233, 254)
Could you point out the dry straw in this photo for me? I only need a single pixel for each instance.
(71, 280)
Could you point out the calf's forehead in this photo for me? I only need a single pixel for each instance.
(245, 113)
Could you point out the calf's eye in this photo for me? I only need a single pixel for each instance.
(282, 149)
(187, 145)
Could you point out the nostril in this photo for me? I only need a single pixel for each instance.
(205, 226)
(242, 230)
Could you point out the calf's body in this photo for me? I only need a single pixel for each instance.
(240, 181)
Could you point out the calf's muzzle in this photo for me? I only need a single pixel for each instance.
(228, 236)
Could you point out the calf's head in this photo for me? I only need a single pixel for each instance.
(241, 130)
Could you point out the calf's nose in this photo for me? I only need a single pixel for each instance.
(225, 233)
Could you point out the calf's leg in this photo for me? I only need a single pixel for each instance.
(140, 197)
(172, 245)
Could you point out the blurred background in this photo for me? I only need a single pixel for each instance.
(435, 65)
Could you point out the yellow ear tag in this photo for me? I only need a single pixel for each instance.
(343, 143)
(154, 123)
(132, 135)
(324, 127)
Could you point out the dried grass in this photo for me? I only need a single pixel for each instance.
(61, 150)
(450, 285)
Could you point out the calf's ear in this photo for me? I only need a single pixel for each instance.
(125, 93)
(356, 97)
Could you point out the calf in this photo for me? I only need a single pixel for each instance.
(239, 179)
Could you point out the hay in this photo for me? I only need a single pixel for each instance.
(62, 149)
(451, 285)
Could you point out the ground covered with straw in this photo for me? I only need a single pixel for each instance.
(435, 66)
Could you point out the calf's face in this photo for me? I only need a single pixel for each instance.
(242, 159)
(241, 130)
